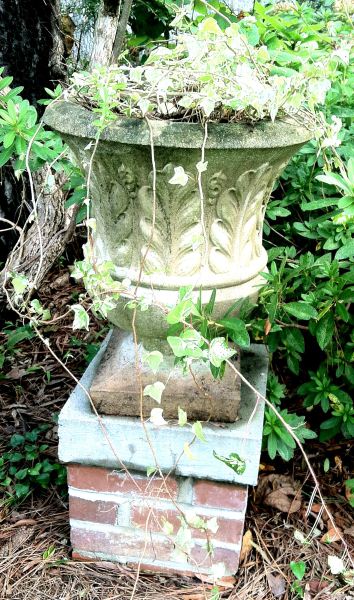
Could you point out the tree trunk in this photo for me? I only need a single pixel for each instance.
(45, 239)
(31, 44)
(31, 50)
(110, 31)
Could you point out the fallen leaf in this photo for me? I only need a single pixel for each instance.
(316, 508)
(339, 464)
(280, 492)
(227, 582)
(349, 531)
(316, 585)
(16, 373)
(24, 522)
(266, 468)
(276, 584)
(332, 535)
(246, 546)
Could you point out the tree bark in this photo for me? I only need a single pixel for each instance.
(31, 51)
(31, 47)
(110, 31)
(41, 243)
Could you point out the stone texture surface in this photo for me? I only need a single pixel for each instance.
(81, 439)
(126, 523)
(115, 389)
(176, 248)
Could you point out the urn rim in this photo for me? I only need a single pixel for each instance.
(72, 119)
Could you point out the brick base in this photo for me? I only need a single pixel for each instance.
(138, 520)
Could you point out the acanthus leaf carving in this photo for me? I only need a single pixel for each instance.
(170, 241)
(236, 230)
(112, 203)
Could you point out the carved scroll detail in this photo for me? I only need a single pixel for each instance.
(236, 230)
(113, 209)
(169, 242)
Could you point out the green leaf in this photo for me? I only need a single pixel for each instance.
(21, 489)
(298, 569)
(154, 390)
(346, 251)
(20, 283)
(182, 417)
(197, 429)
(16, 440)
(337, 180)
(293, 338)
(236, 329)
(150, 471)
(179, 313)
(301, 310)
(153, 359)
(219, 351)
(21, 474)
(325, 330)
(234, 461)
(81, 318)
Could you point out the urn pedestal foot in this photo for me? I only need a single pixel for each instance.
(116, 388)
(133, 518)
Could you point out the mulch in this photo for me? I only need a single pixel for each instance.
(35, 560)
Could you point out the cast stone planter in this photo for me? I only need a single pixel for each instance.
(224, 252)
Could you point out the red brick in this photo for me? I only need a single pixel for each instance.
(220, 495)
(201, 558)
(120, 544)
(96, 511)
(229, 530)
(99, 479)
(156, 516)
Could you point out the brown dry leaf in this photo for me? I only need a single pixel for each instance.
(316, 585)
(224, 583)
(19, 538)
(267, 327)
(339, 463)
(16, 373)
(25, 523)
(266, 468)
(349, 531)
(246, 546)
(280, 492)
(332, 535)
(277, 584)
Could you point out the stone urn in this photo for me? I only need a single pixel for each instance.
(209, 241)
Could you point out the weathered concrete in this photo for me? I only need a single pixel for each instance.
(116, 389)
(81, 439)
(210, 243)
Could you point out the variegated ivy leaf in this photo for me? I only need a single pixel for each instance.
(20, 283)
(188, 452)
(154, 390)
(202, 166)
(81, 318)
(212, 525)
(182, 417)
(219, 351)
(197, 429)
(153, 359)
(234, 461)
(180, 177)
(335, 564)
(156, 417)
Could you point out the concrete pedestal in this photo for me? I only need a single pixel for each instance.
(189, 517)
